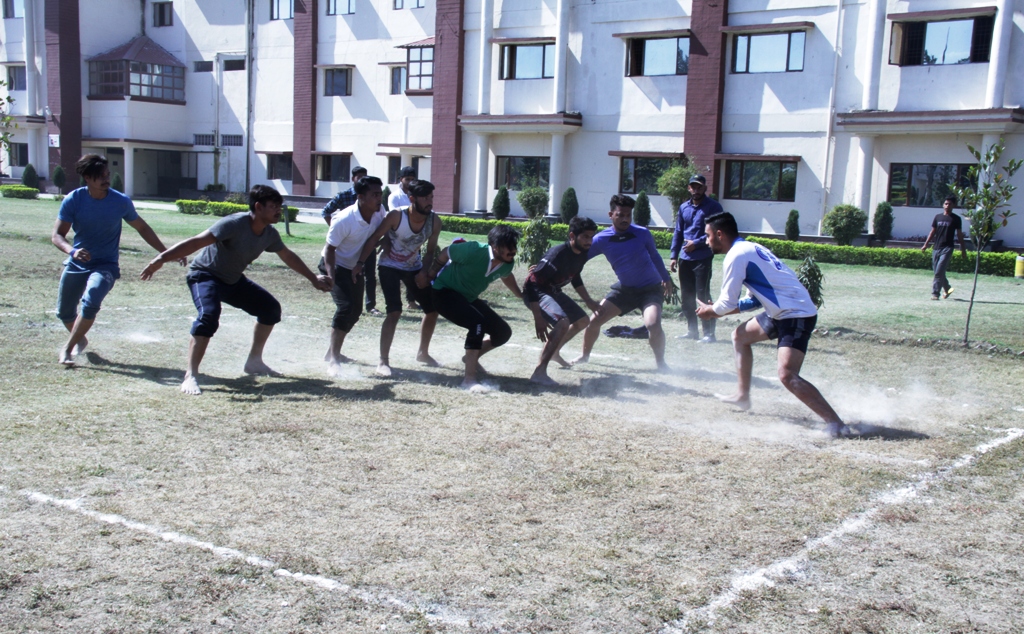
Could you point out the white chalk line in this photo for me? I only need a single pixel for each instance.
(431, 611)
(791, 566)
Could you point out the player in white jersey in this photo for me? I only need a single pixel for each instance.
(789, 316)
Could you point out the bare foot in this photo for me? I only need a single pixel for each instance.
(190, 386)
(663, 368)
(64, 357)
(475, 388)
(383, 369)
(741, 402)
(80, 348)
(256, 366)
(479, 368)
(583, 358)
(560, 361)
(427, 360)
(541, 378)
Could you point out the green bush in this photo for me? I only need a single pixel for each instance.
(208, 208)
(810, 275)
(533, 200)
(642, 210)
(882, 224)
(224, 209)
(559, 231)
(116, 182)
(793, 225)
(844, 223)
(570, 206)
(675, 183)
(59, 178)
(29, 178)
(191, 207)
(18, 191)
(214, 187)
(535, 242)
(501, 207)
(239, 198)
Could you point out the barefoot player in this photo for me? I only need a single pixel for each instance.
(216, 276)
(789, 316)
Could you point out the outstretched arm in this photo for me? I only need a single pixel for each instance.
(510, 281)
(150, 237)
(183, 249)
(587, 299)
(295, 263)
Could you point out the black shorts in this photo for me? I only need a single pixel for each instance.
(628, 298)
(558, 305)
(391, 280)
(791, 333)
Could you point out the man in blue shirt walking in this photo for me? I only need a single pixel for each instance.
(692, 255)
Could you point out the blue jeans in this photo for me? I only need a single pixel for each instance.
(89, 287)
(208, 293)
(940, 262)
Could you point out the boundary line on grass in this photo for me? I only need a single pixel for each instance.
(431, 611)
(791, 566)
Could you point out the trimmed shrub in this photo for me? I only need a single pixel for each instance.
(882, 224)
(384, 195)
(29, 178)
(570, 206)
(191, 207)
(533, 200)
(793, 225)
(18, 191)
(224, 209)
(205, 207)
(844, 223)
(239, 198)
(501, 207)
(535, 241)
(59, 178)
(642, 210)
(116, 182)
(214, 187)
(674, 183)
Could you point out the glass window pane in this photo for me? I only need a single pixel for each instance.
(948, 42)
(734, 172)
(768, 53)
(929, 184)
(626, 177)
(683, 56)
(787, 184)
(427, 82)
(648, 170)
(549, 60)
(660, 57)
(796, 50)
(740, 62)
(529, 62)
(428, 52)
(760, 179)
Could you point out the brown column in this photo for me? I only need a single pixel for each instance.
(446, 139)
(64, 86)
(705, 86)
(304, 113)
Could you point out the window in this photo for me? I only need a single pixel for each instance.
(669, 56)
(189, 170)
(107, 78)
(282, 9)
(421, 68)
(18, 154)
(333, 167)
(337, 82)
(234, 64)
(413, 4)
(769, 53)
(760, 180)
(202, 67)
(394, 166)
(151, 81)
(163, 14)
(202, 139)
(924, 185)
(528, 61)
(398, 79)
(341, 7)
(517, 172)
(640, 174)
(935, 43)
(279, 167)
(14, 8)
(231, 140)
(16, 78)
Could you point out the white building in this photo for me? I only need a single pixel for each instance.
(790, 104)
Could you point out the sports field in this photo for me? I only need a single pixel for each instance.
(623, 501)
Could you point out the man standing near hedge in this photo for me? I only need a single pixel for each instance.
(943, 227)
(690, 252)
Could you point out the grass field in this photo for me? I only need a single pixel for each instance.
(623, 501)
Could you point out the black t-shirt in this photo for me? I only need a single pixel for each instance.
(945, 229)
(558, 267)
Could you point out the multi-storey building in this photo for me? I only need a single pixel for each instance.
(788, 104)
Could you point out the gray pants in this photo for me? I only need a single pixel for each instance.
(694, 284)
(940, 262)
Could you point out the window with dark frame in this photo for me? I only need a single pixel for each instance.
(924, 185)
(660, 56)
(769, 53)
(17, 154)
(528, 61)
(517, 172)
(420, 68)
(202, 67)
(163, 14)
(279, 167)
(231, 140)
(234, 64)
(159, 82)
(394, 167)
(341, 7)
(963, 41)
(16, 79)
(282, 9)
(413, 4)
(203, 139)
(760, 180)
(333, 167)
(398, 79)
(337, 82)
(640, 174)
(14, 9)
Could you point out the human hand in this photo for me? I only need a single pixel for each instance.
(672, 265)
(323, 283)
(541, 325)
(357, 270)
(153, 266)
(81, 255)
(421, 279)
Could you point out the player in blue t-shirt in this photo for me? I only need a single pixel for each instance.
(95, 213)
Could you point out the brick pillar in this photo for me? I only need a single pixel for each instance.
(304, 104)
(705, 86)
(63, 87)
(446, 139)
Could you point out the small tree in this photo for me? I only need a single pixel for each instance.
(882, 224)
(674, 183)
(533, 200)
(59, 178)
(844, 223)
(501, 207)
(985, 205)
(116, 182)
(6, 120)
(570, 206)
(793, 225)
(384, 197)
(642, 210)
(810, 275)
(535, 242)
(29, 178)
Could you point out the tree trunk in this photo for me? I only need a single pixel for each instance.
(974, 289)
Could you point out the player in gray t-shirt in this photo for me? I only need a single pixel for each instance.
(216, 276)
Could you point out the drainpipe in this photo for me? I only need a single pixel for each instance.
(250, 38)
(219, 74)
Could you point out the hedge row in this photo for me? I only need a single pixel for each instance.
(18, 191)
(210, 208)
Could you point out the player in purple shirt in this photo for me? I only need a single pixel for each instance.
(643, 279)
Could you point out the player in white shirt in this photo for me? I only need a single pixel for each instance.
(400, 198)
(789, 316)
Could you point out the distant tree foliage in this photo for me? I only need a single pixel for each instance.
(59, 178)
(29, 178)
(674, 184)
(642, 210)
(793, 225)
(844, 223)
(882, 223)
(533, 200)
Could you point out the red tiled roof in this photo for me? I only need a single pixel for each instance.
(419, 43)
(141, 49)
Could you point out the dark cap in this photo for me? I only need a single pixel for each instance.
(358, 169)
(698, 178)
(407, 171)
